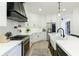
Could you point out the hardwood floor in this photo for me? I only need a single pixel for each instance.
(40, 49)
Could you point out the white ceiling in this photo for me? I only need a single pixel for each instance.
(50, 7)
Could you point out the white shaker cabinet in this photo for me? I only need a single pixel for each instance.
(3, 14)
(15, 51)
(35, 37)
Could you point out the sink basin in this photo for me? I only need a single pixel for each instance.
(58, 37)
(54, 37)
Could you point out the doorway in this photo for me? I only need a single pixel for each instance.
(68, 27)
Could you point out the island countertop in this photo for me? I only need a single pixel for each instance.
(5, 47)
(70, 45)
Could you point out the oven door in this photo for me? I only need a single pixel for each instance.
(25, 47)
(22, 49)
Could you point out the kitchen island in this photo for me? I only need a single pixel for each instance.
(69, 44)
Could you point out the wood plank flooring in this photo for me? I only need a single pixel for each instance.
(40, 49)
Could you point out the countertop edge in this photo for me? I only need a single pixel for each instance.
(10, 47)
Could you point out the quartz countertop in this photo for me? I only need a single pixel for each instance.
(5, 47)
(70, 45)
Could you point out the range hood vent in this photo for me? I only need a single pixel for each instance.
(16, 12)
(14, 15)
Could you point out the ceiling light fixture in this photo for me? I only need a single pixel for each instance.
(60, 9)
(63, 9)
(59, 14)
(40, 9)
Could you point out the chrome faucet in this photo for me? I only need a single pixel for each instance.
(62, 30)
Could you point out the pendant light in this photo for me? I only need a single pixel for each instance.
(59, 9)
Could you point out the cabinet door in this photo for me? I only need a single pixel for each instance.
(3, 17)
(60, 52)
(35, 37)
(51, 49)
(16, 51)
(43, 35)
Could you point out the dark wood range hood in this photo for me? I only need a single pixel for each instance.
(16, 12)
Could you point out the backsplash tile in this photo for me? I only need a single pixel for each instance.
(10, 27)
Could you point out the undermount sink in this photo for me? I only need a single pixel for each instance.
(56, 36)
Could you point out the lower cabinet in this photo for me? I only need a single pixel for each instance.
(53, 52)
(57, 52)
(60, 52)
(51, 49)
(15, 51)
(35, 37)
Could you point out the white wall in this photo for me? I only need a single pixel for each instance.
(75, 21)
(53, 18)
(73, 17)
(7, 25)
(35, 20)
(39, 21)
(66, 17)
(3, 17)
(10, 27)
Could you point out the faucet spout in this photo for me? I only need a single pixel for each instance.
(62, 30)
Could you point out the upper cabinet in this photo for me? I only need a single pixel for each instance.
(15, 11)
(3, 17)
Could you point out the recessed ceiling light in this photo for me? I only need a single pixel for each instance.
(59, 14)
(40, 9)
(63, 9)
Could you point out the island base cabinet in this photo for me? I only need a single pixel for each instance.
(51, 49)
(55, 53)
(60, 52)
(15, 51)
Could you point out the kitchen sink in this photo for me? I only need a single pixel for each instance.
(54, 37)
